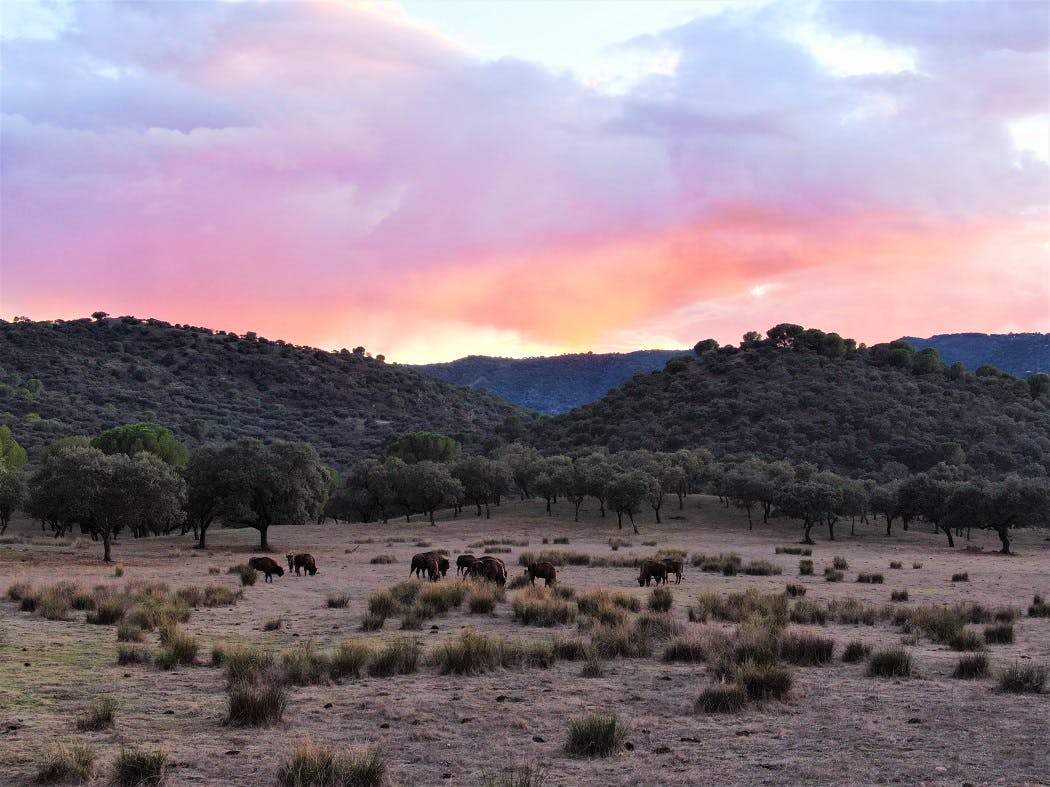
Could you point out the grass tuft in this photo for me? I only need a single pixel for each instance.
(889, 663)
(855, 651)
(971, 667)
(806, 650)
(138, 767)
(596, 735)
(99, 715)
(310, 765)
(64, 763)
(722, 698)
(338, 601)
(1023, 679)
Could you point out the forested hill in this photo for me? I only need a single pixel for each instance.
(550, 385)
(874, 412)
(1019, 354)
(83, 376)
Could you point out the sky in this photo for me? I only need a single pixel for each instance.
(435, 179)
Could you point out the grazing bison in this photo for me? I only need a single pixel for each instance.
(652, 569)
(464, 562)
(432, 566)
(491, 568)
(291, 560)
(267, 566)
(544, 570)
(419, 563)
(304, 561)
(676, 566)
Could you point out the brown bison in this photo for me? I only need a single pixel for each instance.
(491, 568)
(291, 560)
(544, 570)
(304, 561)
(267, 566)
(652, 569)
(676, 566)
(419, 563)
(464, 562)
(432, 567)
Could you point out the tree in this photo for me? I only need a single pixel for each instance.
(524, 464)
(783, 336)
(926, 495)
(425, 447)
(745, 485)
(11, 453)
(431, 486)
(281, 482)
(596, 472)
(553, 475)
(12, 492)
(484, 480)
(810, 499)
(705, 346)
(99, 316)
(884, 500)
(209, 481)
(626, 493)
(1039, 385)
(130, 439)
(999, 506)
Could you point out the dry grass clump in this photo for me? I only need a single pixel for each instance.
(128, 632)
(839, 563)
(937, 622)
(398, 657)
(749, 606)
(916, 566)
(481, 600)
(310, 765)
(108, 610)
(657, 625)
(596, 735)
(138, 768)
(971, 667)
(519, 776)
(805, 568)
(190, 596)
(805, 551)
(337, 601)
(518, 581)
(16, 591)
(99, 715)
(896, 564)
(809, 613)
(616, 542)
(571, 648)
(965, 640)
(538, 607)
(556, 557)
(727, 563)
(622, 640)
(850, 611)
(806, 650)
(242, 662)
(831, 575)
(381, 560)
(304, 666)
(760, 568)
(1038, 608)
(441, 599)
(688, 648)
(64, 763)
(795, 590)
(856, 651)
(350, 659)
(869, 579)
(1000, 634)
(1023, 679)
(763, 682)
(372, 622)
(258, 702)
(214, 570)
(132, 654)
(472, 653)
(54, 606)
(177, 647)
(962, 576)
(273, 624)
(722, 698)
(607, 607)
(889, 663)
(383, 604)
(661, 599)
(899, 595)
(249, 576)
(221, 596)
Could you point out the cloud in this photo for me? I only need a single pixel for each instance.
(342, 175)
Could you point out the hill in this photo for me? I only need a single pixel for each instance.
(83, 376)
(875, 412)
(550, 385)
(1019, 354)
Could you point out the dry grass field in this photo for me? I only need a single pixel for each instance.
(836, 725)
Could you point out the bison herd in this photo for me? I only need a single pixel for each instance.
(435, 564)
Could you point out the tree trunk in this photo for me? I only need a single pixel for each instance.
(948, 532)
(106, 543)
(431, 512)
(657, 510)
(681, 501)
(576, 518)
(479, 507)
(264, 545)
(765, 512)
(633, 525)
(889, 525)
(601, 503)
(1004, 536)
(805, 537)
(831, 529)
(204, 533)
(750, 524)
(488, 514)
(619, 520)
(549, 513)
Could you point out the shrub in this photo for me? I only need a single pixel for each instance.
(831, 575)
(726, 563)
(310, 765)
(520, 776)
(99, 715)
(661, 599)
(441, 599)
(570, 648)
(806, 650)
(594, 601)
(839, 563)
(896, 564)
(118, 572)
(86, 601)
(855, 651)
(256, 703)
(370, 622)
(244, 664)
(108, 611)
(596, 735)
(178, 647)
(132, 654)
(383, 559)
(794, 590)
(851, 611)
(899, 595)
(722, 698)
(964, 639)
(869, 579)
(16, 591)
(805, 568)
(248, 575)
(398, 657)
(689, 648)
(470, 654)
(763, 681)
(383, 604)
(1006, 614)
(1001, 634)
(214, 570)
(971, 667)
(304, 666)
(620, 640)
(63, 763)
(593, 668)
(273, 624)
(413, 619)
(137, 767)
(809, 613)
(537, 607)
(54, 606)
(557, 540)
(404, 593)
(338, 601)
(221, 596)
(657, 625)
(889, 663)
(190, 596)
(750, 605)
(617, 542)
(350, 659)
(936, 621)
(961, 577)
(481, 600)
(1023, 679)
(761, 568)
(1039, 608)
(754, 643)
(128, 632)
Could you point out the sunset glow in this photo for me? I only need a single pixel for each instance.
(436, 180)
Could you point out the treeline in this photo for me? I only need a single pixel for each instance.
(880, 412)
(139, 478)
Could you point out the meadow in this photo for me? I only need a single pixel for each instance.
(895, 660)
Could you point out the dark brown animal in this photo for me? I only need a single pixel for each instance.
(652, 569)
(304, 561)
(676, 566)
(544, 570)
(419, 563)
(464, 562)
(267, 566)
(491, 568)
(291, 560)
(432, 567)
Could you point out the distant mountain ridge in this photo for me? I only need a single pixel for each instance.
(554, 384)
(1019, 354)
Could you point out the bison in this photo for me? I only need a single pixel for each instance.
(464, 562)
(676, 566)
(304, 561)
(291, 560)
(490, 568)
(652, 569)
(267, 566)
(419, 563)
(544, 570)
(432, 567)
